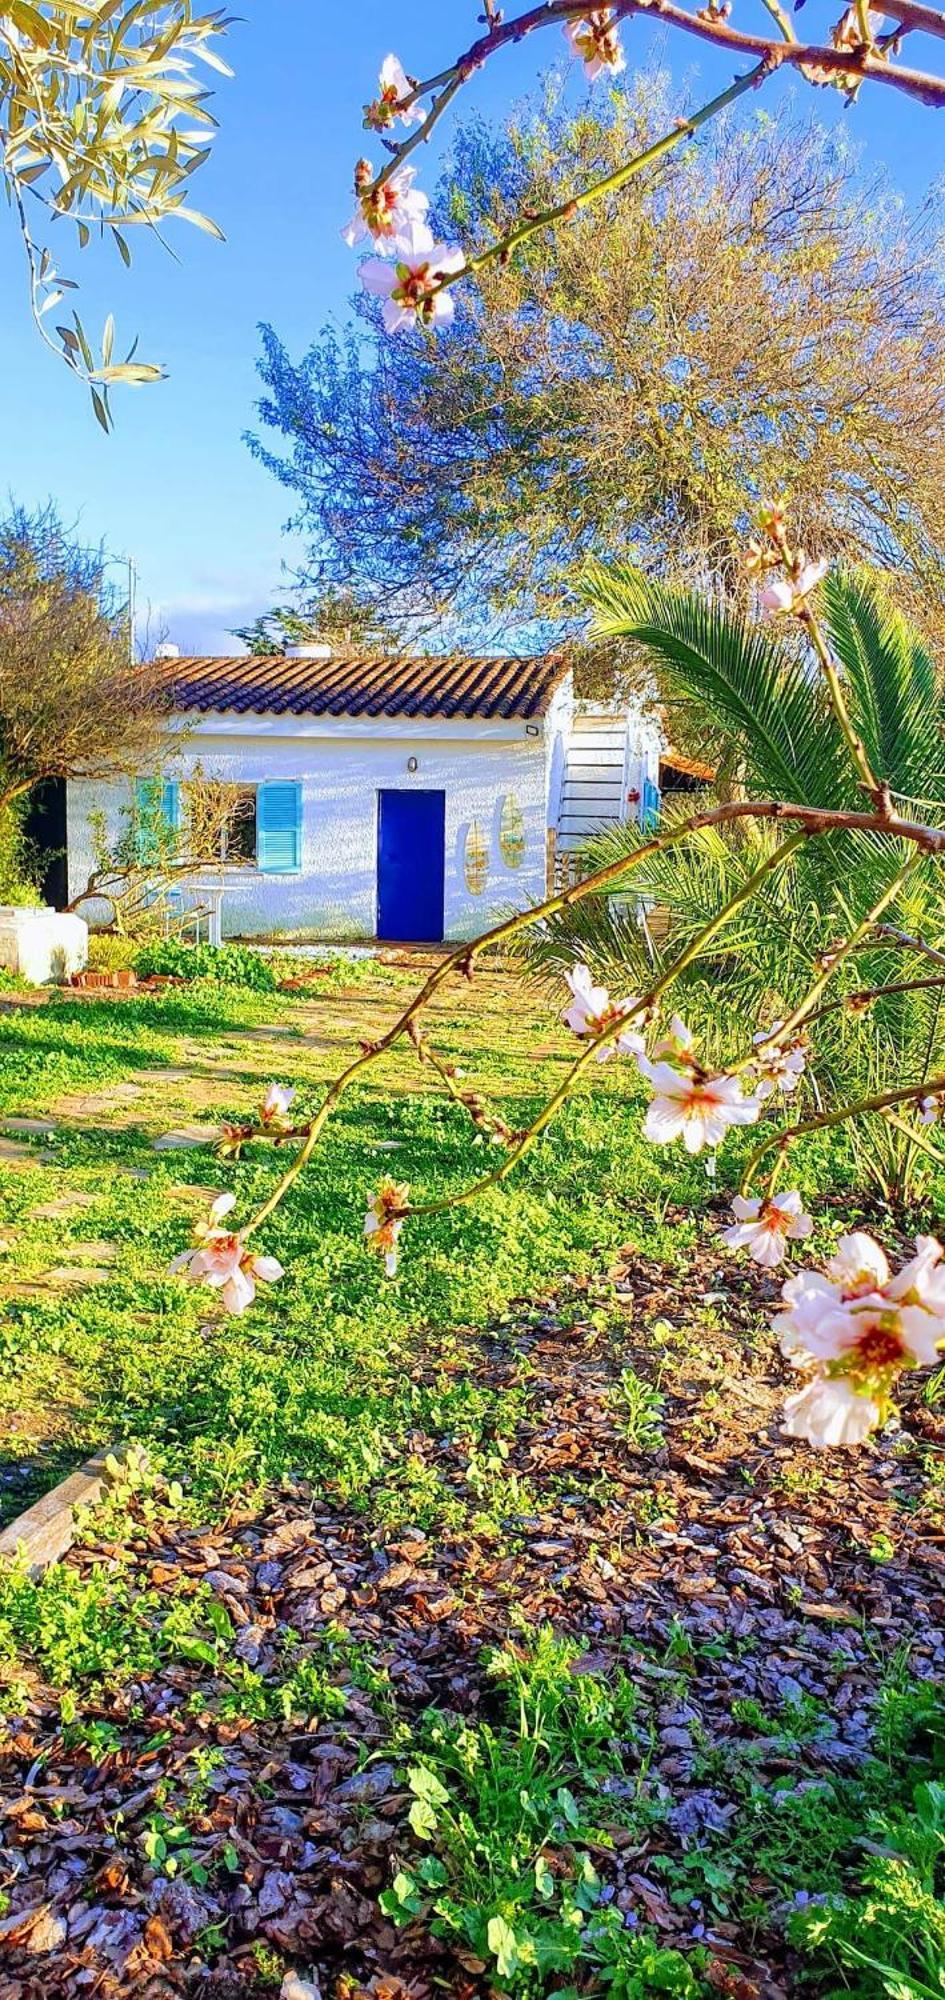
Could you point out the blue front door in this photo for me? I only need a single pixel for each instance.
(411, 858)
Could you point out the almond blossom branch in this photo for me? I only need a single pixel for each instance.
(890, 934)
(857, 1003)
(684, 128)
(811, 819)
(802, 1011)
(638, 1009)
(852, 738)
(909, 1093)
(469, 1100)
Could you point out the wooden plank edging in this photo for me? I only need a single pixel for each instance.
(46, 1531)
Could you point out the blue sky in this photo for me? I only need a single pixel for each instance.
(175, 486)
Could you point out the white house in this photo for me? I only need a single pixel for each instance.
(398, 798)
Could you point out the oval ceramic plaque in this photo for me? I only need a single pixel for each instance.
(476, 859)
(512, 833)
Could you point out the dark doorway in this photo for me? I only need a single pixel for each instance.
(411, 866)
(45, 828)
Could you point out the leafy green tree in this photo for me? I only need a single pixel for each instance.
(743, 321)
(343, 618)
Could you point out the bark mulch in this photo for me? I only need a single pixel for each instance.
(726, 1563)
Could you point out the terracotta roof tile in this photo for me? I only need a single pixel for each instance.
(355, 684)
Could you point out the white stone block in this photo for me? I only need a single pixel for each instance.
(42, 944)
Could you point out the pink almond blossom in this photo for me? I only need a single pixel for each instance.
(413, 288)
(783, 595)
(867, 1324)
(383, 1221)
(678, 1042)
(393, 216)
(592, 1011)
(394, 86)
(596, 41)
(829, 1412)
(764, 1228)
(777, 1068)
(276, 1103)
(222, 1261)
(695, 1107)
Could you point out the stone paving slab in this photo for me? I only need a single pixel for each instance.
(64, 1204)
(149, 1076)
(40, 1127)
(91, 1104)
(184, 1136)
(14, 1152)
(69, 1275)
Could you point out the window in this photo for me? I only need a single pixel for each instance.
(238, 839)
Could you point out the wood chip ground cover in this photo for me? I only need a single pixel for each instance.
(585, 1681)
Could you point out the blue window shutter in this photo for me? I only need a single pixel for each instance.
(149, 792)
(170, 804)
(279, 829)
(649, 805)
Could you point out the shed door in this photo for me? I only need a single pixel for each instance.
(411, 859)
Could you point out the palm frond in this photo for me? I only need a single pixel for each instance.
(892, 680)
(748, 683)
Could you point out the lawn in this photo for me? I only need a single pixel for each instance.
(471, 1631)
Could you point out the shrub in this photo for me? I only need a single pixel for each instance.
(110, 952)
(223, 965)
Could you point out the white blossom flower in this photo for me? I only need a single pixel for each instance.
(849, 35)
(922, 1280)
(276, 1103)
(596, 41)
(678, 1042)
(777, 1068)
(222, 1261)
(413, 288)
(858, 1264)
(874, 1324)
(764, 1228)
(786, 594)
(393, 217)
(930, 1110)
(394, 86)
(592, 1011)
(808, 1297)
(695, 1107)
(383, 1223)
(829, 1412)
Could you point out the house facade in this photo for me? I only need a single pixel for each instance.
(398, 799)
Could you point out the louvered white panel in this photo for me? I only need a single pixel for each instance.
(593, 790)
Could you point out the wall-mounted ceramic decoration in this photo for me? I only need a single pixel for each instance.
(512, 832)
(476, 859)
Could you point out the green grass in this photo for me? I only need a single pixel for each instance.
(321, 1378)
(317, 1378)
(357, 1384)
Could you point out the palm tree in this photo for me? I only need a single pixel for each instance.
(759, 690)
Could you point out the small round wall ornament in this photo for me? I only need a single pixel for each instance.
(512, 832)
(476, 859)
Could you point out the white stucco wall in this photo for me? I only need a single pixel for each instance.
(341, 765)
